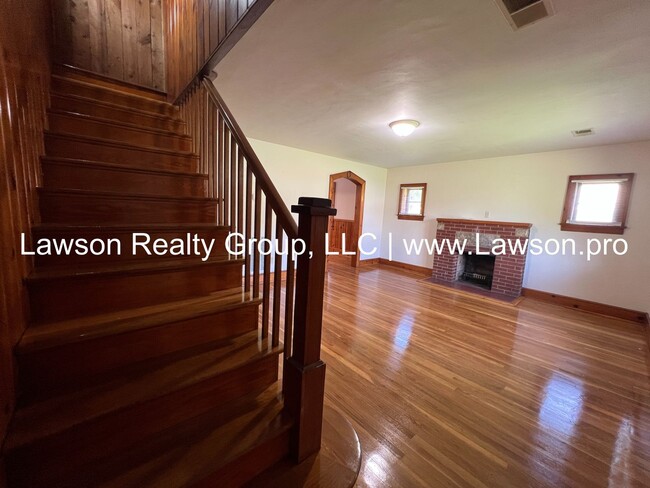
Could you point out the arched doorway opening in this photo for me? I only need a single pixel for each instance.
(351, 191)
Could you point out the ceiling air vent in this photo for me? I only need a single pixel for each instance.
(582, 132)
(520, 13)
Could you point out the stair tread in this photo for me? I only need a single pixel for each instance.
(65, 332)
(126, 125)
(207, 443)
(125, 196)
(74, 72)
(58, 414)
(112, 142)
(120, 108)
(125, 227)
(121, 167)
(111, 90)
(126, 267)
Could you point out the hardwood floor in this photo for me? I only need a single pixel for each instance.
(448, 389)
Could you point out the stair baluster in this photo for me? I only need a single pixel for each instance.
(251, 205)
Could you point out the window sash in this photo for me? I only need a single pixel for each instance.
(616, 211)
(411, 200)
(569, 220)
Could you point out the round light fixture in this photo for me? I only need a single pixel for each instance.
(404, 128)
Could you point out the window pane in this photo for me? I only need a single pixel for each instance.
(415, 196)
(596, 202)
(413, 208)
(411, 201)
(413, 204)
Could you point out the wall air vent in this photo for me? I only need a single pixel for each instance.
(520, 13)
(582, 132)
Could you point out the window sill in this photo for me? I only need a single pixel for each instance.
(595, 229)
(410, 217)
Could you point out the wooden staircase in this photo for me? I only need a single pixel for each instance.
(138, 370)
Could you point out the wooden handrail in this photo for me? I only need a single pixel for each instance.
(250, 204)
(277, 204)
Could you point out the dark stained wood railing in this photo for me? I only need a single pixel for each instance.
(199, 33)
(249, 204)
(304, 371)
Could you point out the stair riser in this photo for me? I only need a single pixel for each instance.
(73, 73)
(86, 176)
(60, 299)
(117, 114)
(66, 86)
(72, 124)
(125, 239)
(250, 464)
(65, 453)
(43, 373)
(63, 147)
(73, 209)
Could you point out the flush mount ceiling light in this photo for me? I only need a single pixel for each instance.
(404, 128)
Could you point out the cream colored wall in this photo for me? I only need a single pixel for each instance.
(524, 188)
(345, 199)
(530, 188)
(297, 173)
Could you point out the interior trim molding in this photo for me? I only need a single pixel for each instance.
(369, 262)
(359, 204)
(588, 306)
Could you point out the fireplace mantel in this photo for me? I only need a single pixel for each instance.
(486, 222)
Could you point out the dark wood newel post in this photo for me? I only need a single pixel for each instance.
(304, 372)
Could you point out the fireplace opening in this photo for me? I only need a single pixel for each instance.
(476, 269)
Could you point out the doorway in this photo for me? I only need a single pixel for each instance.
(348, 192)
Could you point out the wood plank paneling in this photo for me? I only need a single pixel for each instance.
(80, 24)
(62, 30)
(157, 46)
(143, 36)
(97, 32)
(24, 87)
(114, 46)
(222, 22)
(129, 41)
(122, 39)
(231, 14)
(340, 227)
(199, 33)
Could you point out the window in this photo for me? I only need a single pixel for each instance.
(597, 203)
(411, 201)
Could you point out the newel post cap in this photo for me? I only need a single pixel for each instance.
(314, 206)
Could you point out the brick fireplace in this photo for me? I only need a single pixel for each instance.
(502, 274)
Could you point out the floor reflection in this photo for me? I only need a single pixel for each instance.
(559, 414)
(448, 390)
(620, 469)
(403, 333)
(562, 404)
(377, 469)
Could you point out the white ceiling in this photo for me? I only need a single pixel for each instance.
(329, 75)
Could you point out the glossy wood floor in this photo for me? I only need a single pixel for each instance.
(448, 389)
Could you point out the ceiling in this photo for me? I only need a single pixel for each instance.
(328, 77)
